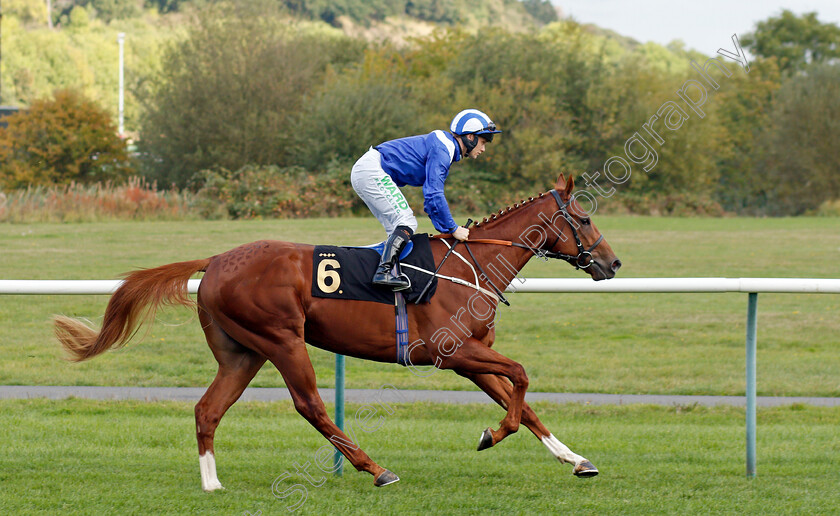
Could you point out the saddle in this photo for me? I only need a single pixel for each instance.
(340, 272)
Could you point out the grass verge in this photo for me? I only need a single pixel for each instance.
(105, 457)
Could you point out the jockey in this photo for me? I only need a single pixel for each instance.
(422, 160)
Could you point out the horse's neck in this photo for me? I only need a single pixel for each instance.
(505, 262)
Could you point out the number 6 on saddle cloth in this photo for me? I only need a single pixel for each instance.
(345, 272)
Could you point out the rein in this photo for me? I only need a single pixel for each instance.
(582, 260)
(485, 276)
(575, 260)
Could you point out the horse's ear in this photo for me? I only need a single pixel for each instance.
(561, 183)
(570, 185)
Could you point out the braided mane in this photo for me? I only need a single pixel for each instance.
(505, 211)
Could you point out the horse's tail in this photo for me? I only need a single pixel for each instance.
(134, 303)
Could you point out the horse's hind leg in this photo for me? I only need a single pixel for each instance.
(500, 390)
(237, 367)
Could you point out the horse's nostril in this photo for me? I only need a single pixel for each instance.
(616, 265)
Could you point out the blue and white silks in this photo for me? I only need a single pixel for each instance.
(424, 160)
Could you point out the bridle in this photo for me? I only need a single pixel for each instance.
(584, 257)
(582, 260)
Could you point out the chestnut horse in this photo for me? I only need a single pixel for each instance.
(255, 304)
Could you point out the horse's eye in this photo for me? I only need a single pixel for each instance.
(585, 221)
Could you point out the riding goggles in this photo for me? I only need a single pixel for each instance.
(487, 132)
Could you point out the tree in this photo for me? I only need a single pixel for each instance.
(109, 10)
(227, 94)
(166, 6)
(60, 140)
(542, 10)
(795, 41)
(744, 106)
(353, 111)
(801, 156)
(29, 12)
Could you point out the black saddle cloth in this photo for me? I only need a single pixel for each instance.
(345, 272)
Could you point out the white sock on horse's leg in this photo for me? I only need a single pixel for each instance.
(560, 450)
(209, 480)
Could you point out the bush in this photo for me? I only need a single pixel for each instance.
(134, 200)
(829, 209)
(257, 191)
(666, 204)
(61, 140)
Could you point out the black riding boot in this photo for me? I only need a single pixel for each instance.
(390, 254)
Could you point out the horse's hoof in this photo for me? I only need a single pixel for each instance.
(385, 478)
(585, 470)
(486, 440)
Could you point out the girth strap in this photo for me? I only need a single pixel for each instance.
(402, 328)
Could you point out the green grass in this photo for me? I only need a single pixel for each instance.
(104, 457)
(614, 343)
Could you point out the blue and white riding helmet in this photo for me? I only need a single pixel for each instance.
(473, 121)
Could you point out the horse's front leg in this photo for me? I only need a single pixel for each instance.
(497, 388)
(293, 362)
(474, 357)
